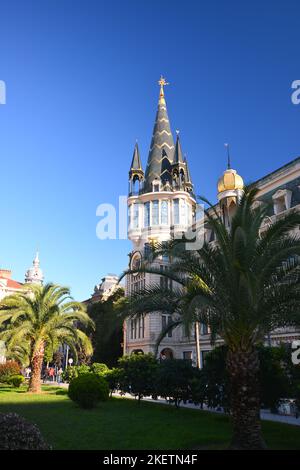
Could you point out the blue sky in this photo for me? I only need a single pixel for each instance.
(81, 81)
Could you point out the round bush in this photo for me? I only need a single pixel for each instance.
(16, 380)
(88, 389)
(7, 369)
(18, 434)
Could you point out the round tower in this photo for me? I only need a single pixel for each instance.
(230, 190)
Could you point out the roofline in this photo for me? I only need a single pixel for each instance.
(268, 175)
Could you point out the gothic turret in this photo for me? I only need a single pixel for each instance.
(136, 174)
(34, 275)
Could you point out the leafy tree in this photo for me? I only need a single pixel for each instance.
(42, 315)
(138, 374)
(243, 286)
(108, 335)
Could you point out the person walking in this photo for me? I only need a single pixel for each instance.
(59, 375)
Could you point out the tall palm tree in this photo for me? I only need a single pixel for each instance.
(39, 316)
(243, 287)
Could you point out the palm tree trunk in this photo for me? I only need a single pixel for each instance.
(36, 369)
(243, 369)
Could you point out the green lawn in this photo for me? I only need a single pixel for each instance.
(124, 424)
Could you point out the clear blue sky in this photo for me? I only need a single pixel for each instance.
(81, 82)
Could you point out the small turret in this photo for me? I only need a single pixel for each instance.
(136, 173)
(34, 275)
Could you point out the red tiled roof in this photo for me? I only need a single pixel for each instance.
(11, 283)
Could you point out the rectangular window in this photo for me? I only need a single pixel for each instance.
(204, 329)
(164, 212)
(135, 215)
(176, 211)
(129, 217)
(146, 214)
(183, 212)
(203, 357)
(155, 213)
(166, 320)
(187, 355)
(156, 188)
(141, 327)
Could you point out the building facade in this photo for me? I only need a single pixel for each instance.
(161, 206)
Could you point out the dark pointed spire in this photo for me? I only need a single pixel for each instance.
(228, 157)
(162, 143)
(136, 160)
(188, 175)
(178, 152)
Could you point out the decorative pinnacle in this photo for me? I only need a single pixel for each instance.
(162, 82)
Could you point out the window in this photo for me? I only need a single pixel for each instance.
(129, 217)
(156, 188)
(141, 327)
(164, 212)
(204, 329)
(183, 212)
(135, 216)
(176, 211)
(133, 329)
(187, 355)
(146, 214)
(166, 320)
(155, 213)
(203, 357)
(147, 250)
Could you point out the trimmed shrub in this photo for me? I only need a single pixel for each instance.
(88, 389)
(15, 380)
(18, 434)
(7, 369)
(99, 368)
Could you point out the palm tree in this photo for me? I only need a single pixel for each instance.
(243, 287)
(37, 317)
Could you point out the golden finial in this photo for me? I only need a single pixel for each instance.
(162, 82)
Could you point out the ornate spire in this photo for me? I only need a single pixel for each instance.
(34, 275)
(136, 160)
(162, 143)
(178, 152)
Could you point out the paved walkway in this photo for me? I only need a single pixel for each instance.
(265, 414)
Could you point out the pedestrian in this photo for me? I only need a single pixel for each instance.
(51, 374)
(59, 375)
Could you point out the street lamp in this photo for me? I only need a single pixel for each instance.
(70, 361)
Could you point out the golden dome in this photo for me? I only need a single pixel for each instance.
(230, 181)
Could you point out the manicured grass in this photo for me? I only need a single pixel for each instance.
(124, 424)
